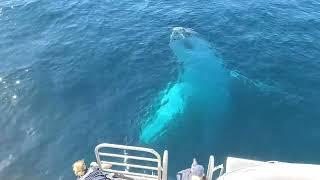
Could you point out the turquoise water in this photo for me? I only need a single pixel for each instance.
(78, 73)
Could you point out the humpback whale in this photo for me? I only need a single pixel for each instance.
(203, 78)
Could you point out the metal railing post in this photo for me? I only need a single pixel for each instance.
(165, 165)
(210, 168)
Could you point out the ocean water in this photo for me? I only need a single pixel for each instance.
(78, 73)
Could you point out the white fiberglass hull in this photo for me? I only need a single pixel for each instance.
(237, 169)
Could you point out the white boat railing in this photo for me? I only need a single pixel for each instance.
(127, 161)
(212, 169)
(150, 164)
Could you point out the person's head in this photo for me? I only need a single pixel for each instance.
(79, 168)
(197, 171)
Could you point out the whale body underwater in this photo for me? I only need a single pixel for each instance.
(203, 78)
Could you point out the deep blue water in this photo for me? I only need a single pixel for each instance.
(78, 73)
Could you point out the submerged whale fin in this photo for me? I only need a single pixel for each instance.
(172, 104)
(261, 86)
